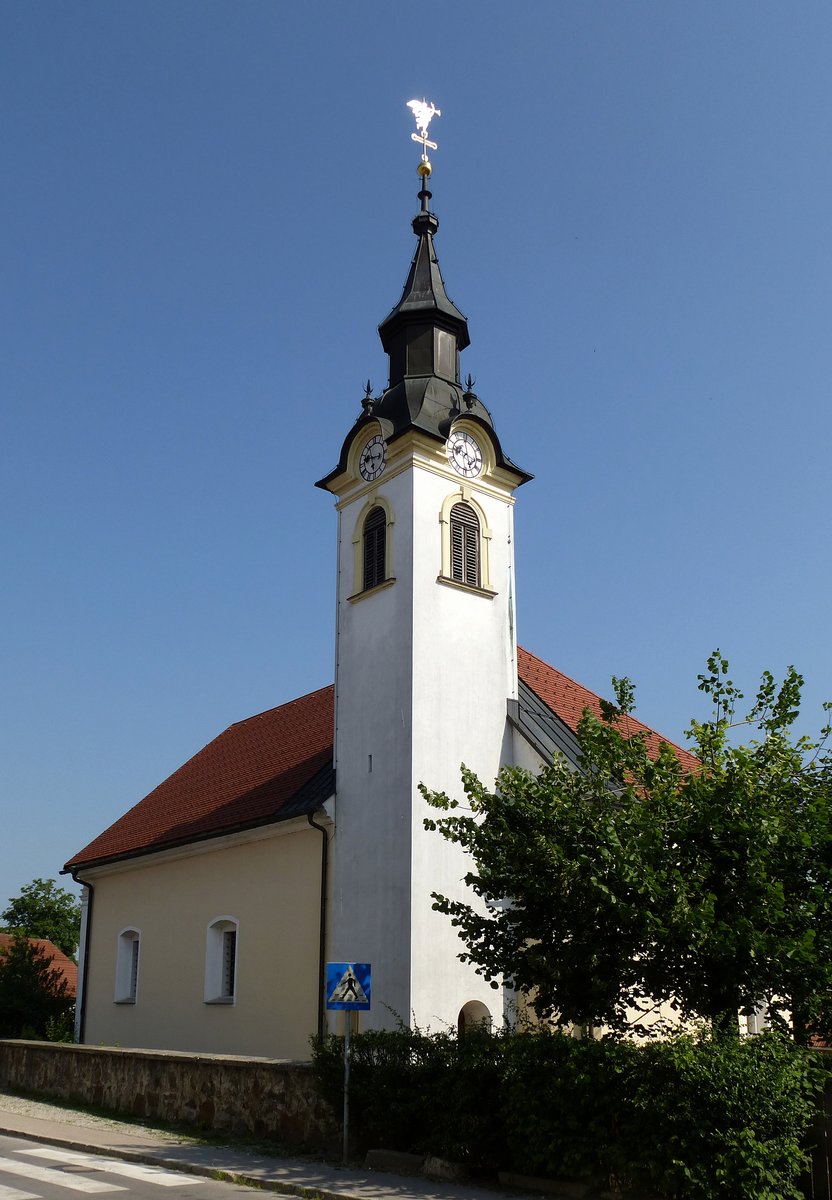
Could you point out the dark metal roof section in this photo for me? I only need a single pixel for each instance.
(424, 296)
(423, 336)
(544, 729)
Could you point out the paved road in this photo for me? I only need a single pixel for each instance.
(35, 1172)
(51, 1125)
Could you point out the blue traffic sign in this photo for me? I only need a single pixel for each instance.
(348, 985)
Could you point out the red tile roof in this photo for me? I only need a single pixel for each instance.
(274, 766)
(250, 775)
(57, 959)
(568, 700)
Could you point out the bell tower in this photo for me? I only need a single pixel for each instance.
(426, 656)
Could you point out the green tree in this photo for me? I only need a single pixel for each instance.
(44, 910)
(604, 891)
(33, 994)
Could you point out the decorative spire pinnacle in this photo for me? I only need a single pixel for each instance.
(469, 395)
(368, 401)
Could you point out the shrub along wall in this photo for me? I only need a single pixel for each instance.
(692, 1120)
(686, 1118)
(249, 1096)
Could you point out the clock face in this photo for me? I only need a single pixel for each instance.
(373, 458)
(464, 454)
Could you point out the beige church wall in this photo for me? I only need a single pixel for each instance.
(271, 886)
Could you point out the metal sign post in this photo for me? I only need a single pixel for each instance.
(348, 987)
(347, 1019)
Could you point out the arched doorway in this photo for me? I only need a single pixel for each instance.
(472, 1014)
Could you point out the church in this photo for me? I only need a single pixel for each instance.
(296, 838)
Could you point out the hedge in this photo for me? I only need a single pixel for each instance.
(688, 1119)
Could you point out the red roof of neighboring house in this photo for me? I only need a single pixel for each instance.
(278, 765)
(568, 700)
(57, 959)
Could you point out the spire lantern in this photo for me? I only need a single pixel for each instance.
(422, 336)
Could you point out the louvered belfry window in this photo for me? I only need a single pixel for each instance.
(465, 545)
(375, 545)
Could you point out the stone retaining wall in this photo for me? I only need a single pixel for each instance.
(261, 1097)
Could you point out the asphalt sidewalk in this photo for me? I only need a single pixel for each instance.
(76, 1130)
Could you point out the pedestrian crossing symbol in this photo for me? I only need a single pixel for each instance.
(348, 985)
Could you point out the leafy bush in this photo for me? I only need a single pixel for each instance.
(691, 1119)
(32, 991)
(561, 1102)
(651, 877)
(721, 1117)
(61, 1028)
(418, 1092)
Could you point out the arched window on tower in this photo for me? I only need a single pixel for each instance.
(465, 545)
(466, 538)
(375, 545)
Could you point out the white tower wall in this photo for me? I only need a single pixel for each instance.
(424, 671)
(464, 671)
(370, 909)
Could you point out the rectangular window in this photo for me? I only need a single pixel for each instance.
(465, 548)
(375, 545)
(457, 552)
(471, 557)
(134, 970)
(420, 353)
(229, 962)
(445, 354)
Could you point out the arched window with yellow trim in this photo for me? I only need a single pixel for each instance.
(466, 538)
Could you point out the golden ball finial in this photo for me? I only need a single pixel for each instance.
(424, 169)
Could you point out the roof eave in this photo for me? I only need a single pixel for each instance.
(309, 798)
(73, 867)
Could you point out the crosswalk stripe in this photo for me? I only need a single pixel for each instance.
(10, 1166)
(116, 1166)
(10, 1193)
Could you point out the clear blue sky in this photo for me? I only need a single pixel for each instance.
(205, 213)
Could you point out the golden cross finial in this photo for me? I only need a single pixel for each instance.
(423, 111)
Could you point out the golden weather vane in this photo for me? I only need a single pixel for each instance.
(423, 112)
